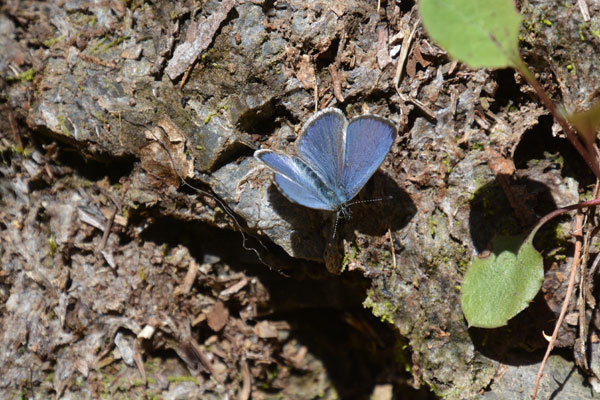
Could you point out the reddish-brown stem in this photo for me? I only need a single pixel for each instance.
(560, 211)
(591, 158)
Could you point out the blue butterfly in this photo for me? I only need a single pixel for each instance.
(335, 158)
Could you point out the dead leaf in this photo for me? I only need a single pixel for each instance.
(383, 53)
(132, 52)
(167, 150)
(335, 82)
(217, 317)
(265, 330)
(306, 72)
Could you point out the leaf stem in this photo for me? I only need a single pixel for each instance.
(591, 158)
(560, 211)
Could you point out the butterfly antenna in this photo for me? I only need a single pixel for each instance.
(222, 204)
(369, 201)
(337, 218)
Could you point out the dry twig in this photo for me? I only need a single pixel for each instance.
(565, 304)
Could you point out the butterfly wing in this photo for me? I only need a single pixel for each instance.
(368, 140)
(296, 180)
(321, 145)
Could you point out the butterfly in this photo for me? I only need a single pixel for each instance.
(335, 159)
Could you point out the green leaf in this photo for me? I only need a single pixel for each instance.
(498, 287)
(587, 123)
(476, 32)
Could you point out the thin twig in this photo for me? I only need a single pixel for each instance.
(389, 232)
(406, 42)
(592, 270)
(186, 75)
(583, 284)
(585, 12)
(107, 229)
(565, 304)
(246, 381)
(316, 94)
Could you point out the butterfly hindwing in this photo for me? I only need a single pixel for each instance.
(296, 180)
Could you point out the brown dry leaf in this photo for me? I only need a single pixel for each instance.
(199, 37)
(217, 317)
(265, 330)
(417, 58)
(335, 82)
(132, 52)
(167, 150)
(306, 72)
(383, 53)
(339, 8)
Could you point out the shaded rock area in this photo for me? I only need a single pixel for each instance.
(119, 280)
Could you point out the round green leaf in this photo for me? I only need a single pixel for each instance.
(498, 287)
(476, 32)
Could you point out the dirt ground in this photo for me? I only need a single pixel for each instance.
(121, 278)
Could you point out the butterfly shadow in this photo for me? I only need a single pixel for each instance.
(520, 342)
(380, 206)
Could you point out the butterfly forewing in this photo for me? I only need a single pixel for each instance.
(368, 140)
(321, 145)
(296, 180)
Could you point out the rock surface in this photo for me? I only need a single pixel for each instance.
(102, 243)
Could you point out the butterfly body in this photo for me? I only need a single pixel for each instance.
(335, 159)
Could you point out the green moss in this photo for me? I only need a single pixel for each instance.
(384, 310)
(63, 125)
(140, 382)
(477, 146)
(133, 4)
(22, 151)
(97, 45)
(446, 161)
(25, 76)
(402, 356)
(52, 41)
(52, 244)
(183, 378)
(100, 117)
(349, 257)
(114, 43)
(432, 225)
